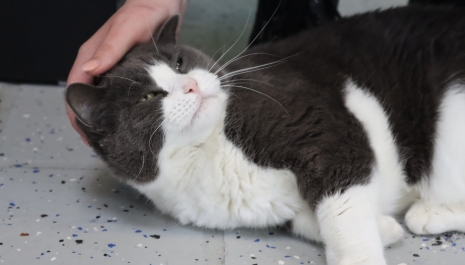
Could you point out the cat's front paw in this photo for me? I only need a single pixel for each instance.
(363, 261)
(362, 258)
(427, 219)
(389, 230)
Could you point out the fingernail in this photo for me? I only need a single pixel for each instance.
(90, 65)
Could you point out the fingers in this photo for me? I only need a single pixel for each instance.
(85, 53)
(135, 26)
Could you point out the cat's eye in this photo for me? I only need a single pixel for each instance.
(147, 96)
(179, 64)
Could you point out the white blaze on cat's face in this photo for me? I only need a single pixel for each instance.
(194, 102)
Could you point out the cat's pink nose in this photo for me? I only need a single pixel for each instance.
(190, 86)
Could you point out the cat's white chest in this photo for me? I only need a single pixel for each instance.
(213, 185)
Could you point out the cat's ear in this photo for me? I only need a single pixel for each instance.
(83, 100)
(167, 33)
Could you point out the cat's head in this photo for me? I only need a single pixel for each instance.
(158, 93)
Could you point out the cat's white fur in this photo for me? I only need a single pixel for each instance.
(442, 204)
(207, 181)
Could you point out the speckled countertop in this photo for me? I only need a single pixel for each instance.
(60, 205)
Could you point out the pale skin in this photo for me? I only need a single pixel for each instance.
(135, 22)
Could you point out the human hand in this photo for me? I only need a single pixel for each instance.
(135, 22)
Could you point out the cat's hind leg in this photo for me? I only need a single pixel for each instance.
(426, 218)
(349, 227)
(305, 224)
(441, 206)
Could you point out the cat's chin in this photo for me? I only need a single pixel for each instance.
(210, 110)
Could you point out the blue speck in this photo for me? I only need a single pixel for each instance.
(138, 231)
(111, 245)
(28, 139)
(12, 204)
(257, 240)
(145, 236)
(271, 233)
(74, 235)
(51, 175)
(52, 131)
(79, 228)
(1, 184)
(18, 165)
(36, 171)
(164, 229)
(425, 239)
(454, 244)
(104, 230)
(287, 257)
(42, 254)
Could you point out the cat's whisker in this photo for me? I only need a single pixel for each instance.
(256, 68)
(242, 33)
(248, 88)
(151, 135)
(211, 58)
(140, 171)
(229, 92)
(235, 59)
(250, 69)
(250, 44)
(150, 32)
(150, 140)
(239, 81)
(129, 89)
(110, 76)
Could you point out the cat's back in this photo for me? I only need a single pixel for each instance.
(407, 37)
(403, 58)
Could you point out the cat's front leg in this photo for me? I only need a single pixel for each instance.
(349, 227)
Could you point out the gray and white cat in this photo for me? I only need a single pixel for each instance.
(335, 130)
